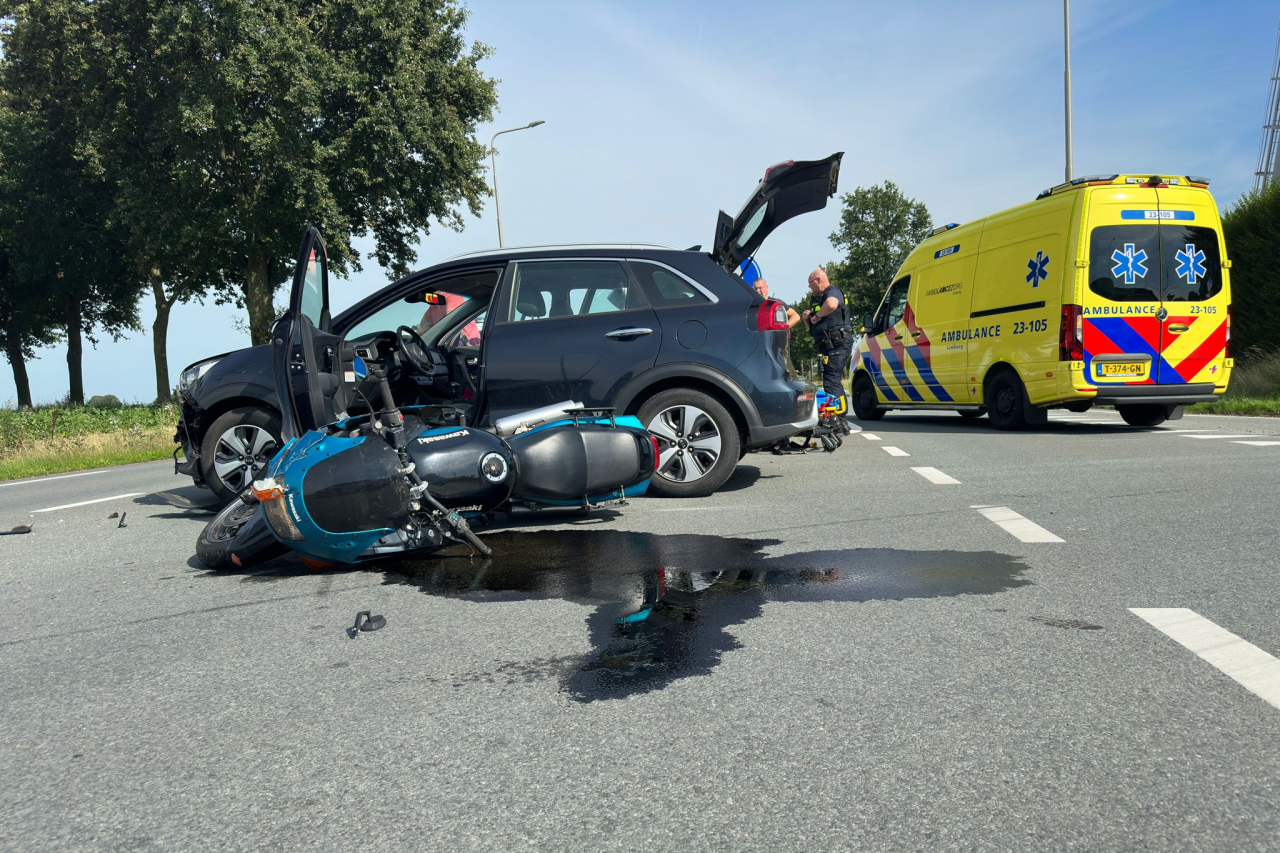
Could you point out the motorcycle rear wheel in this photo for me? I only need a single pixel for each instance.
(238, 537)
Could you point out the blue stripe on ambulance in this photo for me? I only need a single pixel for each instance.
(926, 373)
(1123, 336)
(878, 378)
(900, 374)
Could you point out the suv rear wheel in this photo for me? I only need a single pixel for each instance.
(698, 442)
(236, 449)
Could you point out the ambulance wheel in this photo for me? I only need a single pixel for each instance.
(1144, 414)
(864, 399)
(698, 442)
(1004, 401)
(972, 414)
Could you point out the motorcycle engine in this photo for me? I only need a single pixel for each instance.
(467, 470)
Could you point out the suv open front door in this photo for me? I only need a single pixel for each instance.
(788, 190)
(304, 349)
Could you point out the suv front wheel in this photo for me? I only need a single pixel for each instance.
(237, 448)
(698, 442)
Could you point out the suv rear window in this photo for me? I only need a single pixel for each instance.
(1151, 263)
(665, 288)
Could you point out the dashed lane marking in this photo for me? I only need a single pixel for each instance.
(47, 479)
(1018, 526)
(1258, 443)
(86, 503)
(871, 436)
(1176, 431)
(1251, 667)
(895, 451)
(1217, 436)
(933, 475)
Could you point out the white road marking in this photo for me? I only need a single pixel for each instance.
(1017, 525)
(1217, 436)
(46, 479)
(1174, 431)
(933, 475)
(1254, 669)
(895, 451)
(86, 503)
(1258, 443)
(871, 436)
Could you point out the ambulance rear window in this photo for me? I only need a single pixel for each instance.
(1124, 262)
(1192, 265)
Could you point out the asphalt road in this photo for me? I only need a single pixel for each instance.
(850, 655)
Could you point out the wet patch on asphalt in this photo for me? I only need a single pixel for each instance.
(1053, 622)
(662, 602)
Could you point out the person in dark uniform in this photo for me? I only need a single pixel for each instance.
(827, 319)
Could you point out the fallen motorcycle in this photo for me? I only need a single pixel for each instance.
(396, 481)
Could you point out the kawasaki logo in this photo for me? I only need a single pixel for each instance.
(428, 439)
(293, 509)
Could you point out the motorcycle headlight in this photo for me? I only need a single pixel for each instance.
(274, 500)
(194, 372)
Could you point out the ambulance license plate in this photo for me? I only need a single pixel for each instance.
(1126, 369)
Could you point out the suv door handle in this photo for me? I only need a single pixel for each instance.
(634, 332)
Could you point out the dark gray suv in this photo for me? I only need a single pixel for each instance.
(674, 337)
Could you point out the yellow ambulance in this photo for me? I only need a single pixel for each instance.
(1109, 289)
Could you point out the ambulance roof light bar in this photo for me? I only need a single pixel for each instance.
(935, 232)
(1091, 180)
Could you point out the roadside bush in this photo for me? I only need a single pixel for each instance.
(104, 401)
(1256, 374)
(27, 427)
(1251, 229)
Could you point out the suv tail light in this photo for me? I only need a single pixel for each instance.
(1071, 334)
(772, 317)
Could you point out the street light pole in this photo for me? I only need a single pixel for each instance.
(1066, 77)
(493, 160)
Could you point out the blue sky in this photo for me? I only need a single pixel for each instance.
(659, 114)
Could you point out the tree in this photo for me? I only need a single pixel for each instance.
(27, 321)
(879, 227)
(244, 120)
(1251, 230)
(59, 201)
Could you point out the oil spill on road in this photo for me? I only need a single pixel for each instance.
(662, 603)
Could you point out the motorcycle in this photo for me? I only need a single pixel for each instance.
(408, 481)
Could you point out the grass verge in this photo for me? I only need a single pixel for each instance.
(94, 450)
(1232, 405)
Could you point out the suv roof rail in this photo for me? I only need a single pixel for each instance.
(554, 246)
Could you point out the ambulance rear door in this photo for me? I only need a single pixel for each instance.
(1195, 298)
(1121, 303)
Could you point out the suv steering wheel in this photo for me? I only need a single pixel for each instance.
(422, 362)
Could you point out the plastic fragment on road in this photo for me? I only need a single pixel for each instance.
(370, 623)
(20, 529)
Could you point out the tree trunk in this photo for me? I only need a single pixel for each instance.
(160, 338)
(13, 351)
(75, 352)
(257, 299)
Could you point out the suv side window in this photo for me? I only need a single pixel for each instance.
(665, 288)
(894, 307)
(545, 290)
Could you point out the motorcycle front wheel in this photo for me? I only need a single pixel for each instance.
(238, 537)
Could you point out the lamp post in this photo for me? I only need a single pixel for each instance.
(1066, 77)
(493, 159)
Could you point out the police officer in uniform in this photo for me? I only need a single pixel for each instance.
(827, 319)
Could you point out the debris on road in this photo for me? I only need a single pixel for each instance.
(122, 524)
(370, 623)
(21, 528)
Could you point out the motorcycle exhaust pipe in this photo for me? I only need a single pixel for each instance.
(516, 424)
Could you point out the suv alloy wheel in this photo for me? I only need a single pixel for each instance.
(698, 442)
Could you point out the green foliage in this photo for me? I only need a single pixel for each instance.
(1251, 229)
(245, 120)
(104, 401)
(879, 227)
(26, 427)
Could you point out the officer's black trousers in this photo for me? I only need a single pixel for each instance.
(833, 365)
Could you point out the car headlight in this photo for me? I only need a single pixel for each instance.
(194, 372)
